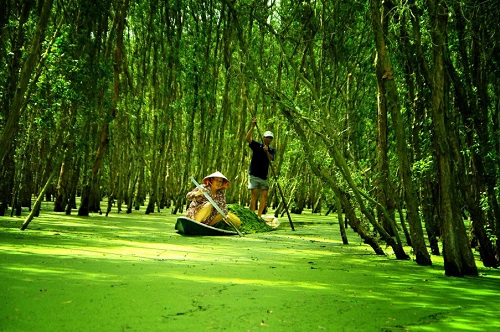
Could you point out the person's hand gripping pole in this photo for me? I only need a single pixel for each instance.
(254, 124)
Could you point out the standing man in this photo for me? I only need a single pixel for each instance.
(262, 155)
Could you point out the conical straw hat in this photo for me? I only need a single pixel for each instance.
(216, 175)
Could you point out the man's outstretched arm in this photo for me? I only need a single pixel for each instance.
(250, 131)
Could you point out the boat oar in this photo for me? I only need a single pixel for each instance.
(272, 169)
(216, 206)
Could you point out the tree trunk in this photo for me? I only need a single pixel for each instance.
(458, 258)
(91, 195)
(10, 129)
(388, 93)
(75, 175)
(430, 214)
(479, 178)
(16, 92)
(153, 192)
(382, 181)
(63, 184)
(419, 95)
(353, 220)
(338, 204)
(36, 207)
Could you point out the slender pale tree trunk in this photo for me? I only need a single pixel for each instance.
(10, 128)
(13, 110)
(420, 99)
(388, 97)
(471, 101)
(383, 177)
(36, 208)
(458, 258)
(91, 195)
(350, 214)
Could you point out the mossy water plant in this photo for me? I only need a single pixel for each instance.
(250, 223)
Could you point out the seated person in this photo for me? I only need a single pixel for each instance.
(202, 210)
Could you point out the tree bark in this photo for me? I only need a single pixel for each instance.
(13, 111)
(10, 129)
(63, 184)
(352, 219)
(457, 254)
(91, 195)
(420, 97)
(36, 207)
(388, 97)
(471, 101)
(383, 177)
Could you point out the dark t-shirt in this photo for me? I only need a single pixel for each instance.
(259, 165)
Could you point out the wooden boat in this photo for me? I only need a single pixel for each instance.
(188, 226)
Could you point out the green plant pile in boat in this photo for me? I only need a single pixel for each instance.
(250, 223)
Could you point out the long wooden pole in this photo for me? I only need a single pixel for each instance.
(285, 205)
